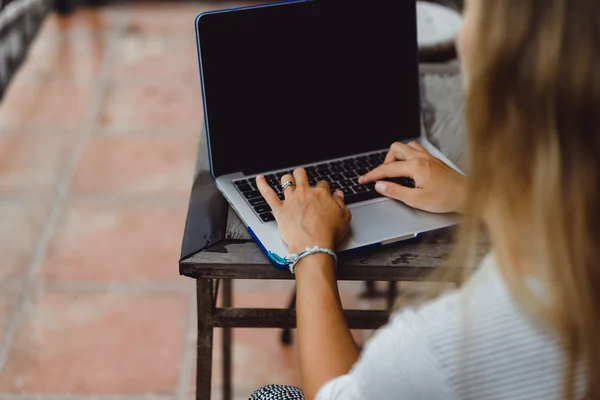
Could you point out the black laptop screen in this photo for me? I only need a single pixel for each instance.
(308, 81)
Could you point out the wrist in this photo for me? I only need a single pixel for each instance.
(317, 265)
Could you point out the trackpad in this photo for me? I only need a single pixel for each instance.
(374, 223)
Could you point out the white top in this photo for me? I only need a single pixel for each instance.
(437, 24)
(473, 343)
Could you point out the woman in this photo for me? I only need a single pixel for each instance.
(527, 324)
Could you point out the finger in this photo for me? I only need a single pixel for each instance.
(268, 193)
(397, 192)
(417, 146)
(290, 189)
(338, 196)
(399, 152)
(390, 156)
(323, 184)
(347, 217)
(391, 170)
(301, 177)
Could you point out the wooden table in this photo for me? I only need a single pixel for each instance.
(217, 249)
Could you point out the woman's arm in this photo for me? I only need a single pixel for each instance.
(313, 217)
(326, 347)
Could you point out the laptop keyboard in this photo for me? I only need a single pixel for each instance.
(342, 175)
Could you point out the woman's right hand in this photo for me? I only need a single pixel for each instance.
(440, 189)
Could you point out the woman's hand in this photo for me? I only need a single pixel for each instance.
(440, 189)
(309, 216)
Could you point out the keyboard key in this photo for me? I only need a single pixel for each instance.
(312, 181)
(281, 196)
(362, 158)
(323, 178)
(347, 191)
(354, 181)
(348, 167)
(350, 174)
(253, 194)
(311, 168)
(277, 189)
(273, 181)
(337, 177)
(245, 188)
(346, 183)
(335, 186)
(253, 185)
(335, 163)
(361, 164)
(257, 202)
(362, 171)
(281, 174)
(370, 186)
(262, 209)
(373, 164)
(241, 182)
(360, 189)
(267, 217)
(324, 171)
(321, 166)
(271, 177)
(312, 174)
(336, 169)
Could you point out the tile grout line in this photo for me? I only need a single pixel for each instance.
(60, 197)
(189, 355)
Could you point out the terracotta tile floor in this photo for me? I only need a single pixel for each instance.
(98, 134)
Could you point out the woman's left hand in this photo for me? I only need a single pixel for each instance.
(309, 216)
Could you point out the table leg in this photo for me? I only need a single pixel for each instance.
(204, 295)
(391, 295)
(227, 302)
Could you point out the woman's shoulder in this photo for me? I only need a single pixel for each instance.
(480, 332)
(486, 288)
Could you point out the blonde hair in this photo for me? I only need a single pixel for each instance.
(533, 120)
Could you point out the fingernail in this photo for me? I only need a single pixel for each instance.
(380, 187)
(259, 177)
(360, 179)
(340, 193)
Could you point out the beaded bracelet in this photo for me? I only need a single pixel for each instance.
(292, 259)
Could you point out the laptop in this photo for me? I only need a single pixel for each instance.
(318, 85)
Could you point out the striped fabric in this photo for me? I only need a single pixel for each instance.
(471, 344)
(278, 392)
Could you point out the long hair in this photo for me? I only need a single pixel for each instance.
(533, 121)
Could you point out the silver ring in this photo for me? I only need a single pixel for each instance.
(287, 184)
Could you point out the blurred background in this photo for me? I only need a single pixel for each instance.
(99, 128)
